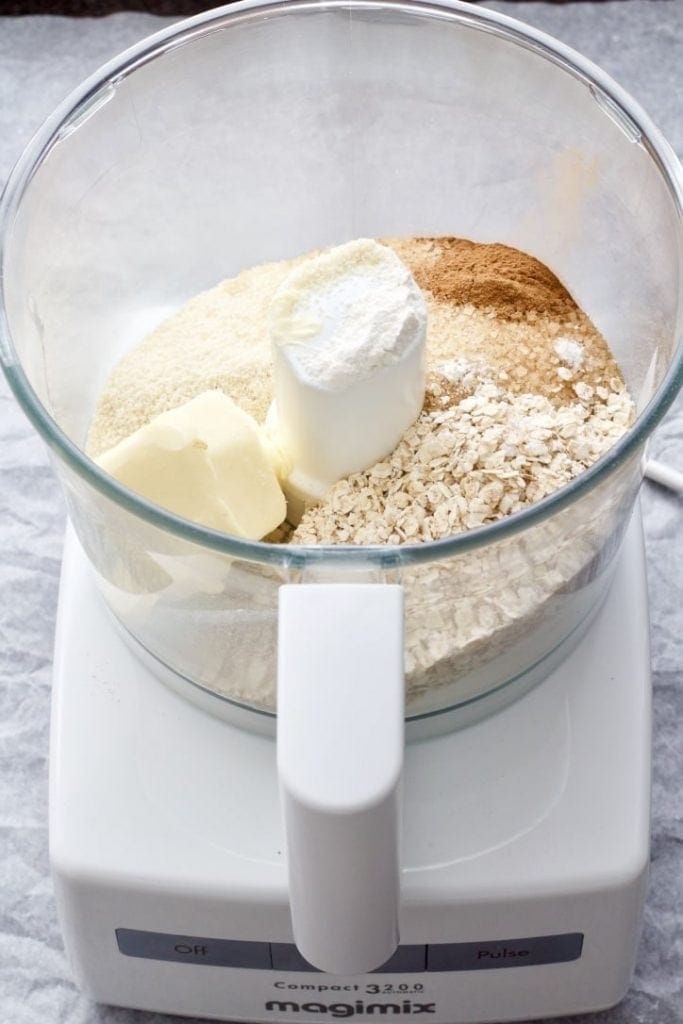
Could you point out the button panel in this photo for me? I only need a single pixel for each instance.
(284, 956)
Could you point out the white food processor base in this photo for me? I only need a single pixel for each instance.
(524, 853)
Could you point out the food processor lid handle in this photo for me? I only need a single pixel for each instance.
(340, 756)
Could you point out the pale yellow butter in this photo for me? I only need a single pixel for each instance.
(206, 460)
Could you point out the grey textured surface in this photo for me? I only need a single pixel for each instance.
(41, 59)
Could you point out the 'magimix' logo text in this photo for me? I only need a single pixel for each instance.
(357, 1008)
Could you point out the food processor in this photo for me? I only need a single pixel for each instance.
(448, 815)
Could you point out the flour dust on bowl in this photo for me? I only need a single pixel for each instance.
(192, 247)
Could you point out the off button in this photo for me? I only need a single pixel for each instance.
(193, 949)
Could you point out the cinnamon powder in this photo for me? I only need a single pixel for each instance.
(495, 276)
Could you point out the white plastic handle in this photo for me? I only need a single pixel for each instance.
(340, 757)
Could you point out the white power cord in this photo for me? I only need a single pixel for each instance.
(664, 475)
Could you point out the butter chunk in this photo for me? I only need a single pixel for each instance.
(207, 461)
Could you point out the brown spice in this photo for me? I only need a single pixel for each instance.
(508, 281)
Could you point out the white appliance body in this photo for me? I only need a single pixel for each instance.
(525, 840)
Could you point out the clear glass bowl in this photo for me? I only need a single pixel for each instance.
(259, 131)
